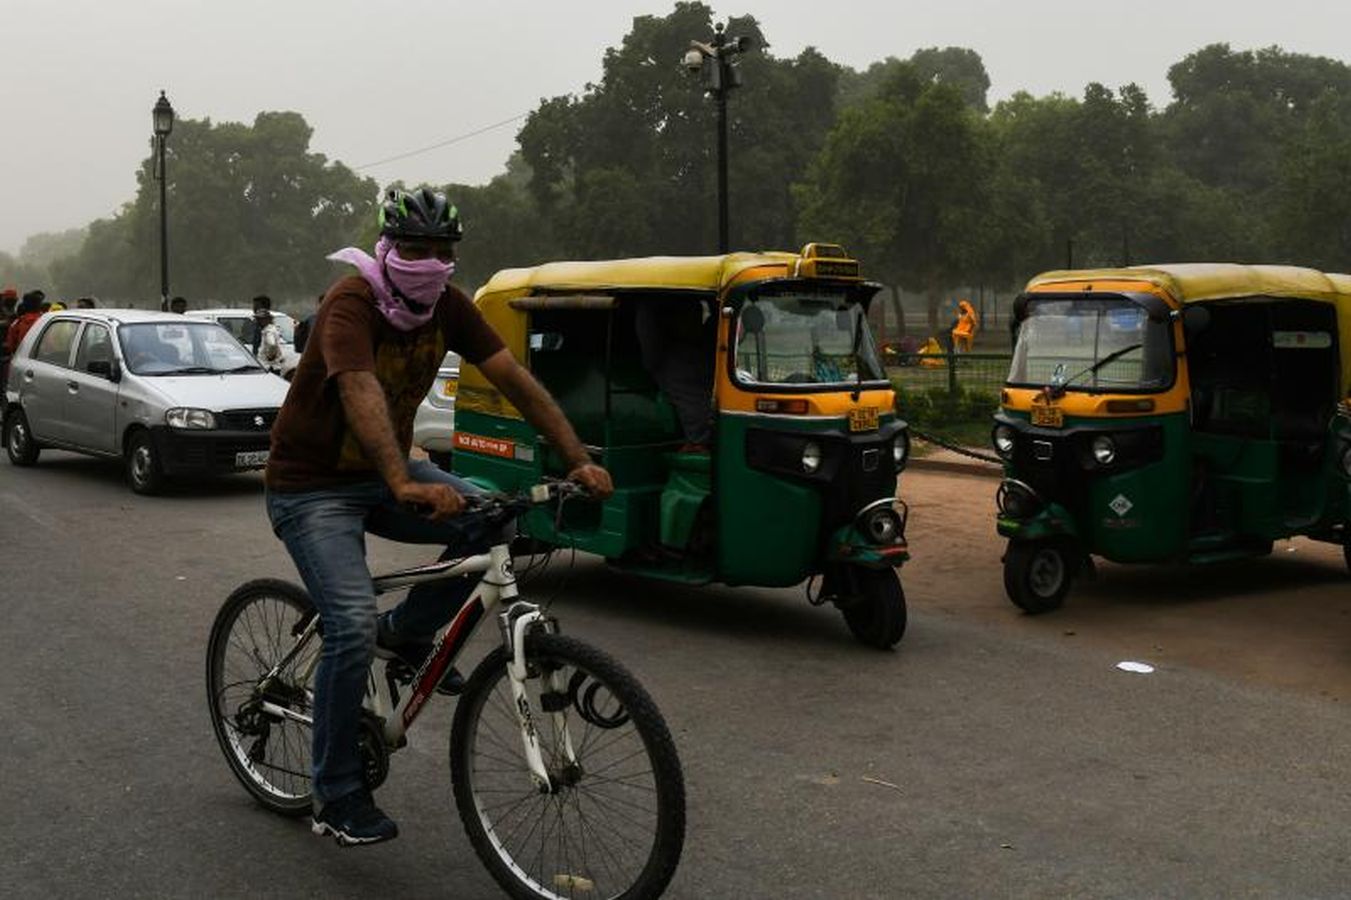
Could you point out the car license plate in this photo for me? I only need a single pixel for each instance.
(863, 419)
(449, 387)
(1048, 416)
(251, 460)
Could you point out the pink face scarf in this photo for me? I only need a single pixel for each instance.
(406, 290)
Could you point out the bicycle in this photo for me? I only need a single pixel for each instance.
(549, 811)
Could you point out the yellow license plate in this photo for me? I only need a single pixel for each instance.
(1048, 416)
(863, 419)
(450, 387)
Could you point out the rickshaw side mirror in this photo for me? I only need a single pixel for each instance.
(752, 319)
(1195, 319)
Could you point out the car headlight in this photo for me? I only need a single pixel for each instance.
(188, 417)
(1004, 440)
(1104, 450)
(811, 457)
(900, 450)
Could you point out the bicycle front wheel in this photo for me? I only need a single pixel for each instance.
(614, 823)
(259, 720)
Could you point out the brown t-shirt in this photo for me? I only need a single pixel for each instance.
(312, 447)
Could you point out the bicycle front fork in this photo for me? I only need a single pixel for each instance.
(516, 623)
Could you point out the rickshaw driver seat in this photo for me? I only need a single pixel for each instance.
(676, 342)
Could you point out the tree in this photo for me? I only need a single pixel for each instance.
(628, 168)
(959, 67)
(251, 210)
(1313, 211)
(1232, 111)
(903, 181)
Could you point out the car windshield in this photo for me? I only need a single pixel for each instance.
(808, 337)
(182, 348)
(1092, 345)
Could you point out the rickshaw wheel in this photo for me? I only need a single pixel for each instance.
(1038, 574)
(876, 615)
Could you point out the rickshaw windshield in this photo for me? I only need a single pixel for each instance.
(1107, 344)
(805, 337)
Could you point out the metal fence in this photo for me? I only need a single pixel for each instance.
(955, 372)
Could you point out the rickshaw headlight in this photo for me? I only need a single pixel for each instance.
(811, 457)
(900, 450)
(1104, 450)
(1003, 440)
(1017, 500)
(882, 526)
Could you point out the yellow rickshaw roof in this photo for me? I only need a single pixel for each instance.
(674, 273)
(1199, 282)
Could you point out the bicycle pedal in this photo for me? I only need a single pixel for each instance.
(400, 671)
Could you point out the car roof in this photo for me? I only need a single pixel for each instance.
(231, 311)
(118, 316)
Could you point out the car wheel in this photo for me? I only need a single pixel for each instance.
(19, 443)
(144, 474)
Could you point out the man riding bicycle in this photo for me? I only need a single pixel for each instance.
(339, 468)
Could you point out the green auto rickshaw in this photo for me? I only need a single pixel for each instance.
(799, 482)
(1182, 413)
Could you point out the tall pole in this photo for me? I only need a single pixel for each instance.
(723, 241)
(163, 231)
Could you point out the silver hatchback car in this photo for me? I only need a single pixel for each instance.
(170, 396)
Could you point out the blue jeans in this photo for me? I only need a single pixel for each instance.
(325, 533)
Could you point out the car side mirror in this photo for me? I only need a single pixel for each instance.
(105, 368)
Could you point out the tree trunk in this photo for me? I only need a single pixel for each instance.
(935, 297)
(899, 310)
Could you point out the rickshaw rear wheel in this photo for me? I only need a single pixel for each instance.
(875, 613)
(1038, 574)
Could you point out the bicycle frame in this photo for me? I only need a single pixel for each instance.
(496, 588)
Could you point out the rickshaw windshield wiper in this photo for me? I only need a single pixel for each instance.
(1093, 369)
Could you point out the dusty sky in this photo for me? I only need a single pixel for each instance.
(377, 79)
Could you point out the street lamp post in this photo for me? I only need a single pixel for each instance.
(163, 117)
(718, 63)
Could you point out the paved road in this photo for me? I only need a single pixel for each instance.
(1024, 763)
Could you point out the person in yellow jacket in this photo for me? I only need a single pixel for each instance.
(964, 329)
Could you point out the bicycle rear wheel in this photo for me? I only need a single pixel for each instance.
(614, 824)
(254, 631)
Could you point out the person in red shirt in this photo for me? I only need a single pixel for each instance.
(339, 468)
(28, 312)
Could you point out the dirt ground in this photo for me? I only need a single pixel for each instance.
(1283, 620)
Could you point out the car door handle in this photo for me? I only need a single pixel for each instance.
(73, 387)
(28, 375)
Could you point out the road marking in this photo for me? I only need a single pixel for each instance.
(23, 509)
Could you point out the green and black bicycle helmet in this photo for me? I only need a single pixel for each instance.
(422, 213)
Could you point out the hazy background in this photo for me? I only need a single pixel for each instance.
(377, 80)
